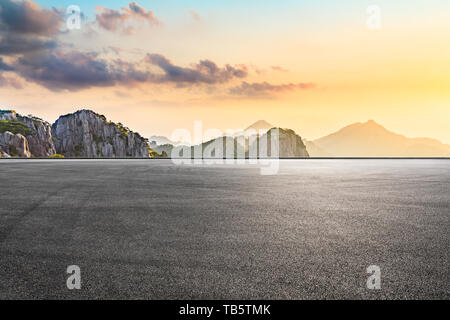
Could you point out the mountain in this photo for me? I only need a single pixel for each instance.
(160, 140)
(81, 134)
(370, 139)
(89, 135)
(315, 151)
(14, 145)
(25, 136)
(165, 149)
(260, 125)
(290, 146)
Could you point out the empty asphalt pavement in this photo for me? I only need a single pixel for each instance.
(154, 230)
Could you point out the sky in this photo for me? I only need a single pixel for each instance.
(157, 66)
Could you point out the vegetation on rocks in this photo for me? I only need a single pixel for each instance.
(7, 111)
(15, 127)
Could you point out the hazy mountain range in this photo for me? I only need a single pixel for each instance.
(370, 139)
(367, 139)
(90, 135)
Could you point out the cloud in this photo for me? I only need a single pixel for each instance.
(206, 71)
(278, 68)
(25, 17)
(140, 12)
(4, 66)
(10, 82)
(267, 89)
(25, 27)
(11, 44)
(28, 35)
(112, 20)
(195, 15)
(75, 70)
(114, 49)
(122, 94)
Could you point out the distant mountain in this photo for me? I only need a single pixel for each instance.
(315, 151)
(260, 125)
(160, 140)
(258, 128)
(165, 149)
(370, 139)
(90, 135)
(290, 146)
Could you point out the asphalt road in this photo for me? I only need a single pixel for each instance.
(153, 230)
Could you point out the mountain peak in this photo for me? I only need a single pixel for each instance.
(372, 123)
(363, 126)
(260, 125)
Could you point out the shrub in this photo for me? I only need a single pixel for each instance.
(57, 156)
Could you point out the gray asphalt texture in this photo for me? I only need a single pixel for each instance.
(149, 229)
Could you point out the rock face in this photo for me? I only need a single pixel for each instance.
(89, 135)
(36, 132)
(41, 141)
(14, 145)
(291, 145)
(3, 154)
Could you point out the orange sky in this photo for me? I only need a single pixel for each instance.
(398, 75)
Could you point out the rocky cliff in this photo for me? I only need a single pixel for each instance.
(27, 133)
(40, 141)
(13, 145)
(290, 144)
(89, 135)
